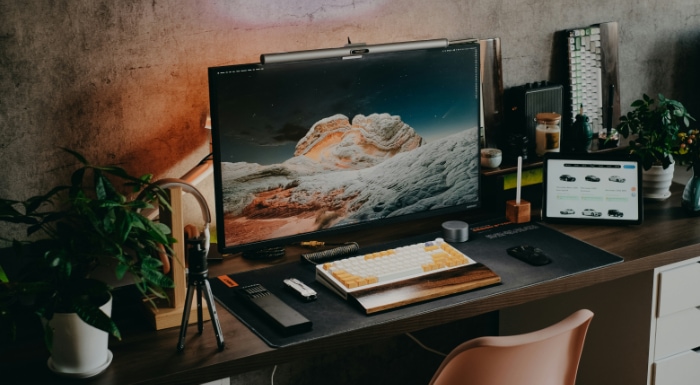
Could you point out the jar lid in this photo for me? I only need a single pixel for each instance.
(548, 117)
(490, 152)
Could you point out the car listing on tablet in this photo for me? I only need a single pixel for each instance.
(592, 189)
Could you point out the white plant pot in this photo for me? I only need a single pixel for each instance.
(657, 182)
(79, 350)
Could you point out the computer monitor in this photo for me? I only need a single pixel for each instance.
(307, 148)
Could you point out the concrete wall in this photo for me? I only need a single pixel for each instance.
(125, 81)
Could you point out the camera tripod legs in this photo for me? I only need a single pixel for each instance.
(197, 285)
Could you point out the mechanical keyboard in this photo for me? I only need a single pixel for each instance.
(422, 271)
(585, 75)
(594, 78)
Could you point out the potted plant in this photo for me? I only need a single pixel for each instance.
(688, 153)
(656, 126)
(73, 230)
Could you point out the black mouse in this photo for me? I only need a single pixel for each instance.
(529, 254)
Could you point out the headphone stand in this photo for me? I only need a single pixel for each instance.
(169, 314)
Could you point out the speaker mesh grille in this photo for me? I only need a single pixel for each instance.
(541, 100)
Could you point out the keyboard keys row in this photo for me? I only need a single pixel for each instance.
(393, 265)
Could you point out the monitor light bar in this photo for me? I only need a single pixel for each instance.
(351, 50)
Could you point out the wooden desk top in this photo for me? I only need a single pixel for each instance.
(668, 235)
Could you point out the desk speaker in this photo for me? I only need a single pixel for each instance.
(522, 103)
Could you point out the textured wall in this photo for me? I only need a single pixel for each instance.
(125, 81)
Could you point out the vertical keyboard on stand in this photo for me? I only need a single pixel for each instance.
(593, 76)
(585, 77)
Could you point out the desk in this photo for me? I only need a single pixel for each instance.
(668, 235)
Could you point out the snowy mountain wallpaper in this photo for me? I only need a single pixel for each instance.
(311, 146)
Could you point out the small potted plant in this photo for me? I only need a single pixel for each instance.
(688, 154)
(75, 229)
(656, 126)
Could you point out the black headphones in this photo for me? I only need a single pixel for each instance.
(174, 182)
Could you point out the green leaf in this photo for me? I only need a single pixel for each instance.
(155, 275)
(157, 231)
(77, 155)
(120, 270)
(162, 227)
(7, 208)
(100, 191)
(106, 204)
(121, 173)
(33, 203)
(113, 193)
(138, 205)
(21, 220)
(137, 221)
(76, 180)
(108, 222)
(3, 276)
(151, 264)
(92, 315)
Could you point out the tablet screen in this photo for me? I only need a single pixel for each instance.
(589, 188)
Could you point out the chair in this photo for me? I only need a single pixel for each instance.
(549, 356)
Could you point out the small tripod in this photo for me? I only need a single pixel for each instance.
(197, 277)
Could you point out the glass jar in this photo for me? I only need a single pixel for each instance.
(547, 132)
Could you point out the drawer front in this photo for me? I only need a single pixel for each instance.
(679, 289)
(677, 332)
(681, 369)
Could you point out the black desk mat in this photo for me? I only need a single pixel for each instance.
(332, 315)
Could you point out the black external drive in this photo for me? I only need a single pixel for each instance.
(280, 315)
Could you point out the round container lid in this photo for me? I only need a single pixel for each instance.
(548, 117)
(490, 152)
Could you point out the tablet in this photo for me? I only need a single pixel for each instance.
(592, 188)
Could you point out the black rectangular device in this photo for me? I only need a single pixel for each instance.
(278, 314)
(317, 143)
(592, 188)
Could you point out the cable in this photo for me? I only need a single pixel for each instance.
(272, 376)
(316, 244)
(425, 347)
(341, 251)
(313, 257)
(264, 254)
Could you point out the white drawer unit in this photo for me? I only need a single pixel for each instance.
(674, 354)
(679, 289)
(677, 332)
(679, 369)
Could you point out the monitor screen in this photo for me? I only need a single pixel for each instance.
(306, 148)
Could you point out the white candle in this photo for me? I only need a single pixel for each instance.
(518, 180)
(547, 132)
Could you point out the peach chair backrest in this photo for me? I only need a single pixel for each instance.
(549, 356)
